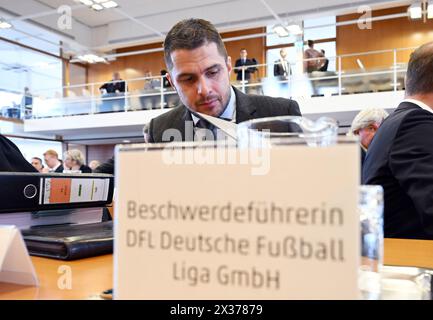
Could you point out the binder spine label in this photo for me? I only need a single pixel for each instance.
(67, 190)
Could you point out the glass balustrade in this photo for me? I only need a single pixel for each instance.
(376, 71)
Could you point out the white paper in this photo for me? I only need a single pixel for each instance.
(228, 127)
(15, 263)
(148, 221)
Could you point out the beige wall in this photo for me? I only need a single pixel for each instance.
(135, 66)
(386, 34)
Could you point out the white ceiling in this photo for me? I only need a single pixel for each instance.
(143, 21)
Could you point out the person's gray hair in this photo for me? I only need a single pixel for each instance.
(76, 155)
(367, 117)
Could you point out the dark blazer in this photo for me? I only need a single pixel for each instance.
(363, 154)
(400, 158)
(114, 85)
(325, 66)
(11, 159)
(59, 169)
(106, 167)
(85, 169)
(248, 71)
(279, 70)
(247, 107)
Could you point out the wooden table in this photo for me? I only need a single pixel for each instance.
(93, 275)
(89, 278)
(408, 253)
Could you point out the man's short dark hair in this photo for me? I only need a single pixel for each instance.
(310, 43)
(39, 159)
(419, 76)
(191, 34)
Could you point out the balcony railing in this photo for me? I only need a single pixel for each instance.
(348, 74)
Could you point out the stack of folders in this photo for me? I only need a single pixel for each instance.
(60, 216)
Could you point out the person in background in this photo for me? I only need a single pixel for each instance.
(27, 103)
(116, 85)
(147, 82)
(74, 162)
(312, 64)
(51, 158)
(37, 164)
(324, 62)
(165, 83)
(365, 125)
(400, 157)
(244, 62)
(282, 66)
(106, 167)
(94, 164)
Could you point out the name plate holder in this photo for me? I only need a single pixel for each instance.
(188, 226)
(15, 264)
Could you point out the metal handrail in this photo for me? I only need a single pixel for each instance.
(243, 85)
(337, 57)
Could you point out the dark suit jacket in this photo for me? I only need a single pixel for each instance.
(59, 169)
(248, 71)
(279, 70)
(400, 158)
(85, 169)
(363, 154)
(325, 66)
(247, 107)
(106, 167)
(11, 159)
(114, 85)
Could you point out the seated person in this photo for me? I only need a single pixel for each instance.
(74, 162)
(106, 167)
(37, 164)
(11, 159)
(365, 125)
(199, 69)
(52, 161)
(94, 164)
(400, 157)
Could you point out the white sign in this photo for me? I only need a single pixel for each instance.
(217, 231)
(15, 263)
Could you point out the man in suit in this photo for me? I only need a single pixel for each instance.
(400, 157)
(51, 158)
(365, 125)
(199, 69)
(116, 85)
(282, 66)
(242, 64)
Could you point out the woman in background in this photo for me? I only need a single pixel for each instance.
(74, 162)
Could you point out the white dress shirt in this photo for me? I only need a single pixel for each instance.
(229, 112)
(420, 104)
